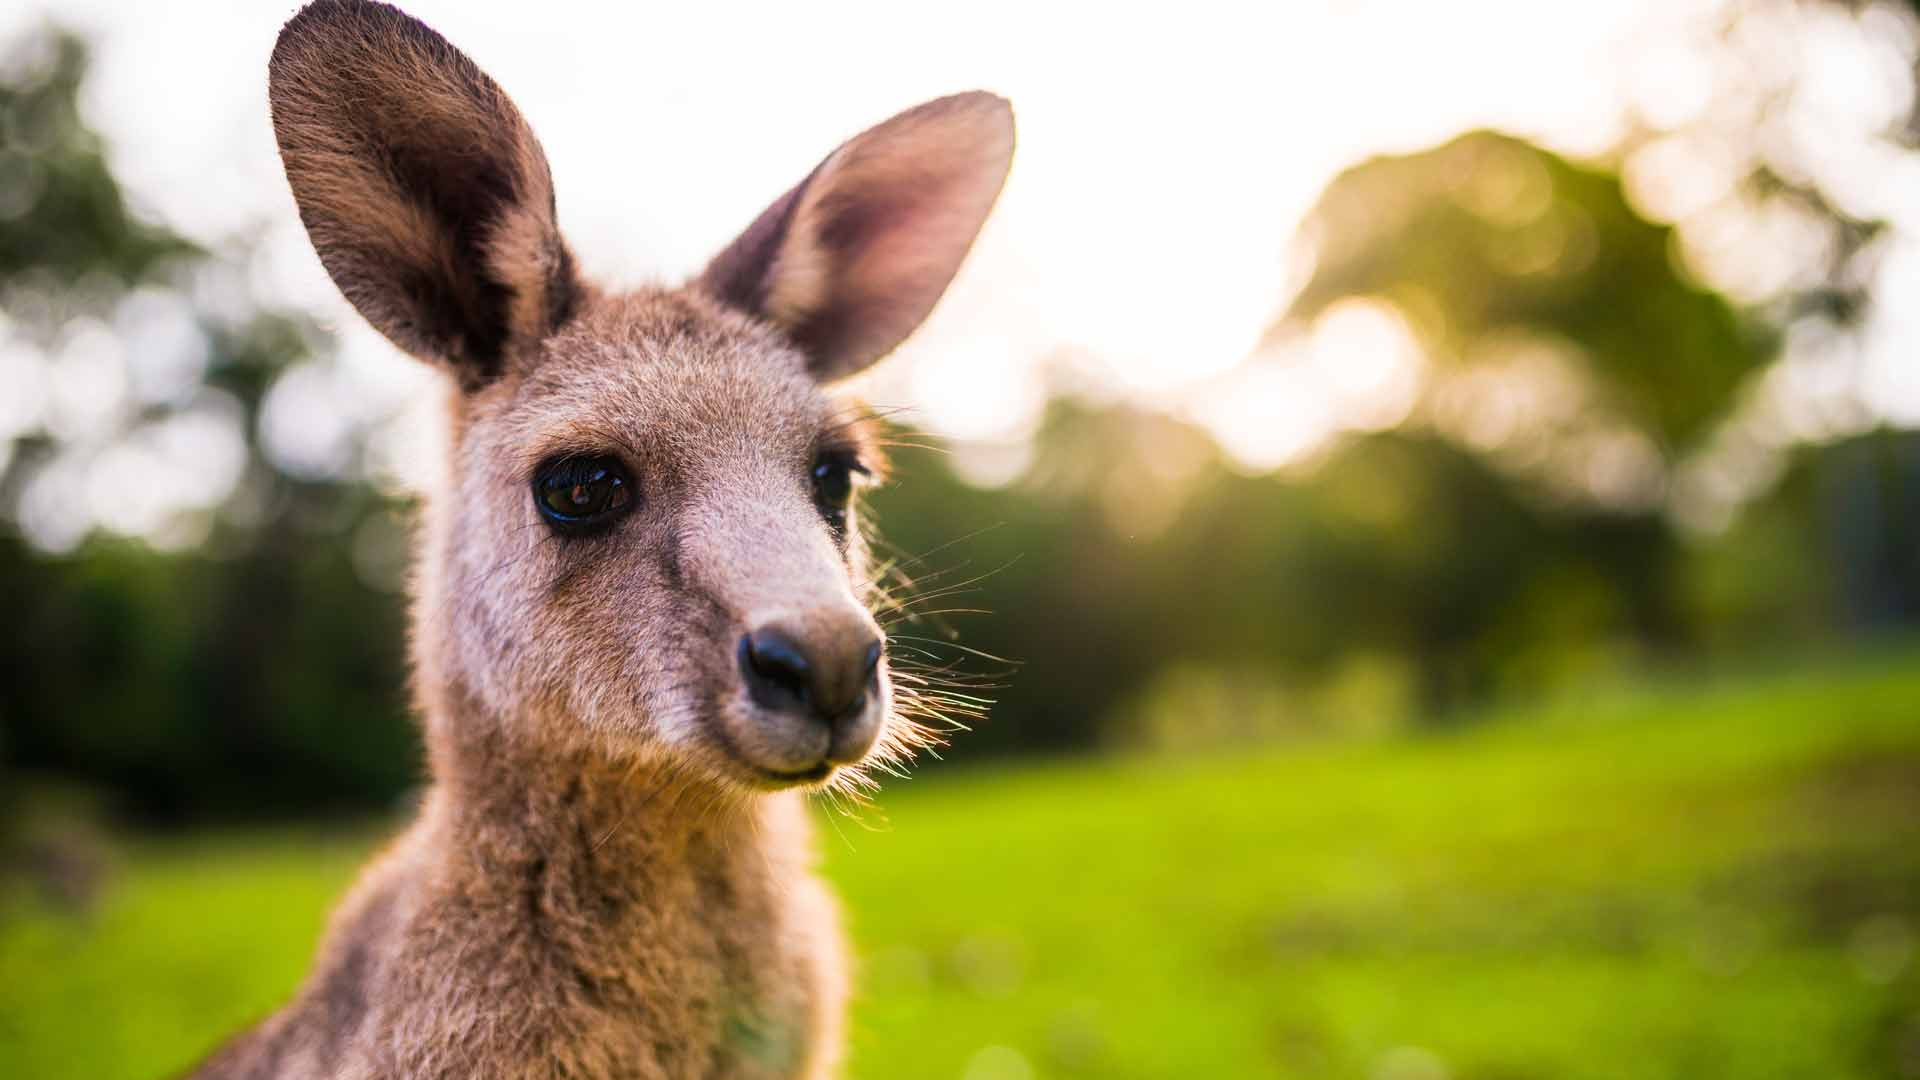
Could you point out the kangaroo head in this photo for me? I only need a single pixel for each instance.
(646, 535)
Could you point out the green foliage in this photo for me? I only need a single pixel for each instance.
(1490, 234)
(62, 213)
(1100, 573)
(260, 672)
(1697, 880)
(269, 681)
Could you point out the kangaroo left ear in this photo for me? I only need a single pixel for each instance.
(849, 262)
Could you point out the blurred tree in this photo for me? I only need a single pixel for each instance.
(1576, 347)
(255, 671)
(61, 213)
(1758, 122)
(1833, 548)
(238, 649)
(1515, 511)
(1786, 186)
(1489, 238)
(1131, 551)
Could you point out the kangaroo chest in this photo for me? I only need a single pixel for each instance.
(697, 968)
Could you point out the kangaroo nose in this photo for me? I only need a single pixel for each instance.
(828, 683)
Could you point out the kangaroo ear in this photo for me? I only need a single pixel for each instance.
(851, 261)
(422, 188)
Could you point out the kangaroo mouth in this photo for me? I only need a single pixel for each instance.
(787, 779)
(768, 763)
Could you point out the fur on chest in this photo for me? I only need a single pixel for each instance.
(722, 968)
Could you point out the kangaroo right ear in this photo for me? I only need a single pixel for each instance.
(422, 188)
(849, 262)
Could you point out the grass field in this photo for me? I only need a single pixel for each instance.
(1690, 881)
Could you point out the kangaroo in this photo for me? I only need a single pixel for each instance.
(641, 618)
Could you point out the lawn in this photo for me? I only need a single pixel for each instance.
(1692, 880)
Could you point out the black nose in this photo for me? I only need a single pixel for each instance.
(781, 672)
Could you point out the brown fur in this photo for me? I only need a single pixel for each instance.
(426, 194)
(611, 873)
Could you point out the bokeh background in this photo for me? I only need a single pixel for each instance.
(1442, 482)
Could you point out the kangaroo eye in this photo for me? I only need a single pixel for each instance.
(833, 488)
(581, 493)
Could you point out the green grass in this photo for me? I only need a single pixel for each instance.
(1689, 881)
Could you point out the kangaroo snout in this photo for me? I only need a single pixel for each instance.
(819, 682)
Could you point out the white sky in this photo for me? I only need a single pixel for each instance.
(1166, 153)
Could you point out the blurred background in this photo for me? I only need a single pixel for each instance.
(1432, 489)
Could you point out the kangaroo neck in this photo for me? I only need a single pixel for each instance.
(579, 826)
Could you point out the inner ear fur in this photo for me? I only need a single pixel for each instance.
(851, 261)
(422, 188)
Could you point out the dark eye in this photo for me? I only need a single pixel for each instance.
(833, 488)
(581, 493)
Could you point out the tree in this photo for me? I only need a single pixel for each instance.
(215, 650)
